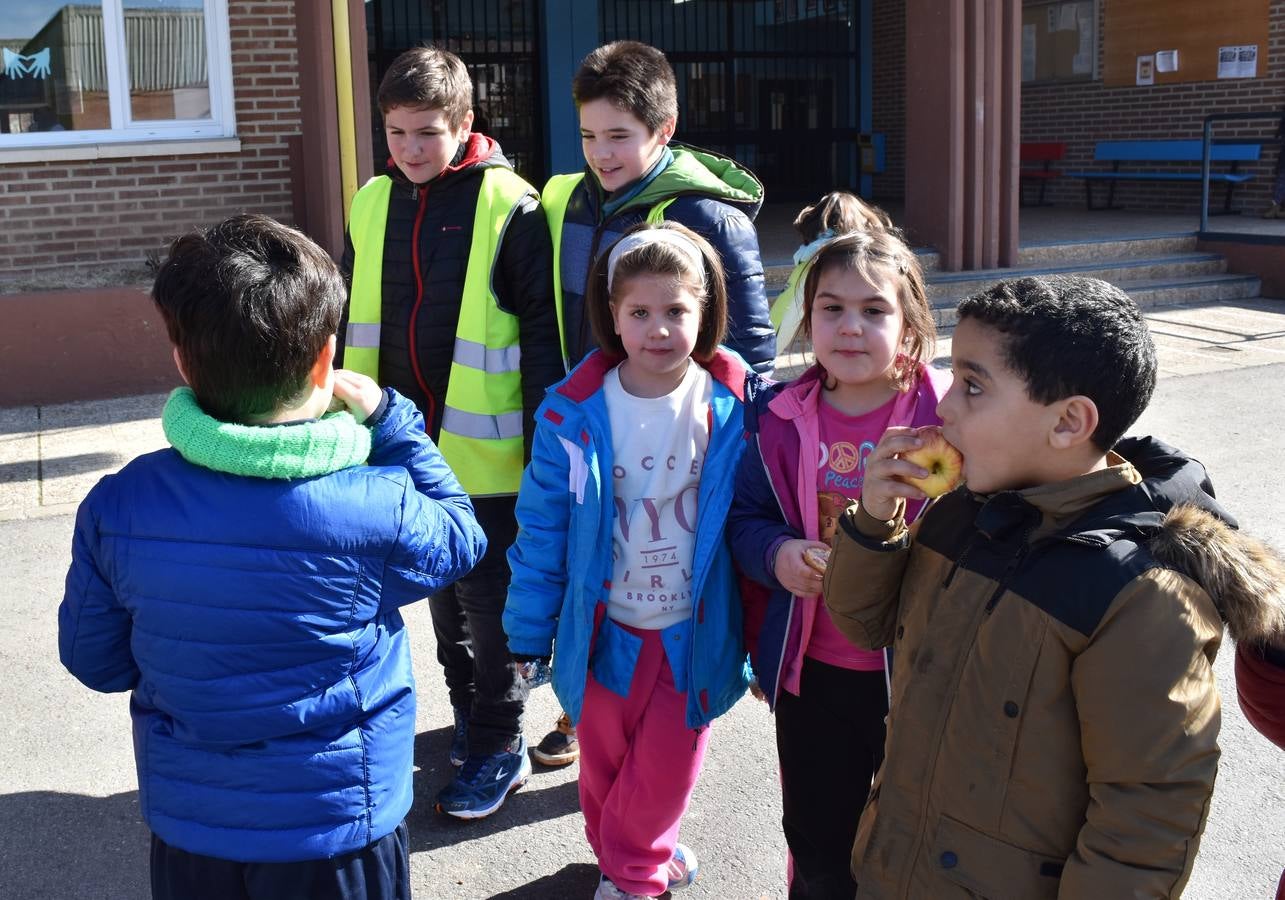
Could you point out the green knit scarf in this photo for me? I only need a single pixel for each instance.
(333, 442)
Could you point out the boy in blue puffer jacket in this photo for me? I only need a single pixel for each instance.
(246, 585)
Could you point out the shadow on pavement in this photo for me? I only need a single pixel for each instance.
(574, 880)
(59, 466)
(58, 846)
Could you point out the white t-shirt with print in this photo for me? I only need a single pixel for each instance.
(658, 445)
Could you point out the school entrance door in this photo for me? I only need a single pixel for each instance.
(773, 84)
(498, 41)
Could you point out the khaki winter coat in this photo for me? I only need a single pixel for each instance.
(1054, 721)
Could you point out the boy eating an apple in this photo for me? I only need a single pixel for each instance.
(1054, 721)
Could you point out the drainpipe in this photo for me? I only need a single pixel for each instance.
(344, 102)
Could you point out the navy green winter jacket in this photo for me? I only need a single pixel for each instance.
(713, 196)
(257, 622)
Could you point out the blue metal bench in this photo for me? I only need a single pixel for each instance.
(1117, 152)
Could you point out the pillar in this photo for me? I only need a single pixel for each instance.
(963, 108)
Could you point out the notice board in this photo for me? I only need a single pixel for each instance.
(1058, 40)
(1197, 29)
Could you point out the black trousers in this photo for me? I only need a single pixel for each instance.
(378, 872)
(481, 678)
(829, 741)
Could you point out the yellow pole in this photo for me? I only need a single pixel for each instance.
(344, 101)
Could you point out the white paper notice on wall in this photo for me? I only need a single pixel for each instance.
(1166, 60)
(1028, 52)
(1146, 69)
(1082, 62)
(1238, 61)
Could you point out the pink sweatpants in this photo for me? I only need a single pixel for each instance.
(638, 765)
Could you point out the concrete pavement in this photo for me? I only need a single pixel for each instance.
(69, 824)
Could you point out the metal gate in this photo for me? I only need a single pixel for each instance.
(498, 41)
(772, 83)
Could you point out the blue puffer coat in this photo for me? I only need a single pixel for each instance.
(562, 566)
(257, 623)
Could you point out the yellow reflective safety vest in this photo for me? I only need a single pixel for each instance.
(555, 198)
(481, 434)
(787, 309)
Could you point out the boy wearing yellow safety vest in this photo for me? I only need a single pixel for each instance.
(451, 303)
(627, 100)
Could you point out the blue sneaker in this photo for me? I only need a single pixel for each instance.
(683, 867)
(485, 782)
(459, 741)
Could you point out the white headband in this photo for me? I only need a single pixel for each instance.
(675, 239)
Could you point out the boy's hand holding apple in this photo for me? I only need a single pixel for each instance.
(358, 393)
(909, 464)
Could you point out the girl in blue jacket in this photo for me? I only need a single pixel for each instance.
(635, 451)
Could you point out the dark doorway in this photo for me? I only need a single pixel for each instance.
(498, 41)
(775, 85)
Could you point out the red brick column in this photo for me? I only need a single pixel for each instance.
(962, 127)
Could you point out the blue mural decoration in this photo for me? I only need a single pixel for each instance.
(16, 65)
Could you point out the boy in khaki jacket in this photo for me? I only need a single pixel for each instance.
(1054, 721)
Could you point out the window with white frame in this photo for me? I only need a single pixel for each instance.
(101, 71)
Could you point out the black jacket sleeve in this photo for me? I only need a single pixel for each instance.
(524, 287)
(345, 269)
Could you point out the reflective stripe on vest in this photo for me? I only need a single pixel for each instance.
(362, 334)
(481, 434)
(555, 199)
(481, 427)
(477, 356)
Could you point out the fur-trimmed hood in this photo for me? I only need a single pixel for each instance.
(1170, 508)
(1242, 575)
(1187, 530)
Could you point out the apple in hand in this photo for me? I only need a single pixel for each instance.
(945, 464)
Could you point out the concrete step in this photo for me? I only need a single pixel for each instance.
(1111, 268)
(1056, 253)
(1048, 256)
(1148, 293)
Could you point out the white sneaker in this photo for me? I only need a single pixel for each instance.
(607, 890)
(683, 867)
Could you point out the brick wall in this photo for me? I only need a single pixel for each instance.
(66, 222)
(889, 89)
(1083, 113)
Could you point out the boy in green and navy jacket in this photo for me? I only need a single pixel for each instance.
(627, 100)
(451, 303)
